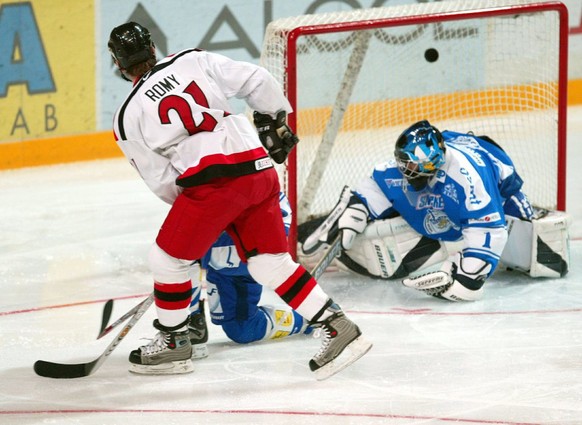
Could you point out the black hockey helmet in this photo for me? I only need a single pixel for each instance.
(131, 44)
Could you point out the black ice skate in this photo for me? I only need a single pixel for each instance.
(198, 333)
(167, 354)
(338, 333)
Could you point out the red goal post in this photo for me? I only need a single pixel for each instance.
(356, 79)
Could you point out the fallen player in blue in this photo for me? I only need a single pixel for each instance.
(233, 300)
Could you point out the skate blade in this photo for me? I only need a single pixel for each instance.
(169, 368)
(199, 351)
(356, 349)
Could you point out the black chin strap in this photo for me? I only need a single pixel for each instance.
(418, 183)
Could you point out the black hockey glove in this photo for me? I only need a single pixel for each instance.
(275, 135)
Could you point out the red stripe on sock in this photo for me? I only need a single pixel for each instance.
(171, 288)
(288, 284)
(303, 294)
(173, 303)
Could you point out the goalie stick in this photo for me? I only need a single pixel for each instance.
(79, 370)
(332, 252)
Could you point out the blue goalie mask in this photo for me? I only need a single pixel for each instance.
(420, 151)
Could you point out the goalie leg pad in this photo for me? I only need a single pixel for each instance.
(427, 252)
(391, 249)
(551, 246)
(540, 247)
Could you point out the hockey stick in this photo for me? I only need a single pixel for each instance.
(332, 252)
(107, 309)
(79, 370)
(105, 330)
(322, 265)
(318, 270)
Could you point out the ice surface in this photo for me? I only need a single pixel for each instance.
(73, 236)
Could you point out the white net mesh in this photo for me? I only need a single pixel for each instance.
(494, 75)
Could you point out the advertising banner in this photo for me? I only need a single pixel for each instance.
(47, 63)
(59, 88)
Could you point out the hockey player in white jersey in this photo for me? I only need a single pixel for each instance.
(176, 129)
(445, 187)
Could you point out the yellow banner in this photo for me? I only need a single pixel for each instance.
(47, 63)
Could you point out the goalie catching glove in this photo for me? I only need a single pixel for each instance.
(275, 135)
(461, 279)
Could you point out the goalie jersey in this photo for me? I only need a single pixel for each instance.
(467, 193)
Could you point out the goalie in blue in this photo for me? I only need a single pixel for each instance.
(233, 299)
(444, 188)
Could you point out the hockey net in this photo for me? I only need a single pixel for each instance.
(356, 79)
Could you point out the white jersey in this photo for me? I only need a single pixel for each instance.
(175, 128)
